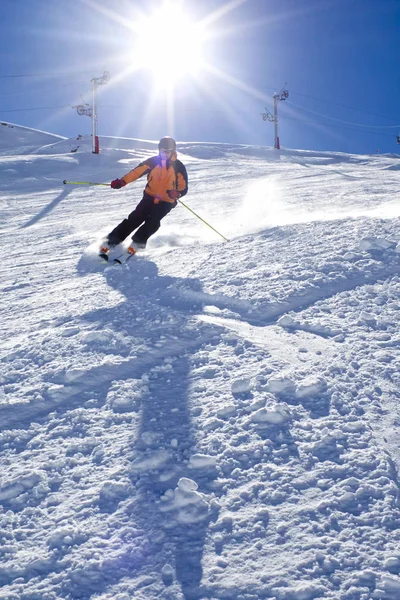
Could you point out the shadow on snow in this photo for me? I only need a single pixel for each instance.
(47, 209)
(161, 326)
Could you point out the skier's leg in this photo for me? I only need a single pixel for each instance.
(134, 220)
(152, 222)
(148, 228)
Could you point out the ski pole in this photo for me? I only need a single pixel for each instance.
(205, 222)
(84, 183)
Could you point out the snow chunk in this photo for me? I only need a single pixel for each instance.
(384, 357)
(277, 416)
(367, 317)
(308, 591)
(213, 424)
(100, 337)
(350, 256)
(167, 574)
(286, 322)
(127, 395)
(374, 243)
(113, 491)
(66, 536)
(185, 504)
(392, 564)
(325, 447)
(150, 462)
(202, 461)
(187, 485)
(280, 385)
(311, 386)
(69, 331)
(18, 485)
(390, 586)
(226, 411)
(241, 386)
(72, 375)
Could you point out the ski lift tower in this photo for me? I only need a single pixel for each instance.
(267, 116)
(91, 111)
(96, 81)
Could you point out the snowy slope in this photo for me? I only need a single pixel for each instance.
(15, 139)
(213, 419)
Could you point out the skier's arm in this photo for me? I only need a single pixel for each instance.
(182, 180)
(137, 172)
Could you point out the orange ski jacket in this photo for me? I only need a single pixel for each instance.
(162, 176)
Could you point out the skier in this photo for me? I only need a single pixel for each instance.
(166, 182)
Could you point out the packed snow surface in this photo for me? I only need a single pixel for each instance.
(213, 419)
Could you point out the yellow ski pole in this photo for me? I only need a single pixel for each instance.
(65, 182)
(205, 222)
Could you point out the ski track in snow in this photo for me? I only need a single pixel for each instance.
(210, 420)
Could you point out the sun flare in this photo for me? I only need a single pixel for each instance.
(168, 48)
(169, 44)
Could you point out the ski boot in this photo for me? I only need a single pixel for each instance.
(104, 249)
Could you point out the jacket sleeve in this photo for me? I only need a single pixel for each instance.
(138, 171)
(182, 179)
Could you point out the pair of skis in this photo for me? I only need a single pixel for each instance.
(118, 260)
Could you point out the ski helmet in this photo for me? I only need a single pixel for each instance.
(167, 143)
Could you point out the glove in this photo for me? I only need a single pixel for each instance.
(174, 194)
(116, 184)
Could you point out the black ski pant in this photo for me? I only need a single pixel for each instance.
(147, 215)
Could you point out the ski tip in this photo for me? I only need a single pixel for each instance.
(65, 181)
(103, 256)
(117, 261)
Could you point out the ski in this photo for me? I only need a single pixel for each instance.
(123, 258)
(120, 259)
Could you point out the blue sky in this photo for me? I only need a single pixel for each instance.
(338, 59)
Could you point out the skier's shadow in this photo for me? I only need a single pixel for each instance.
(165, 439)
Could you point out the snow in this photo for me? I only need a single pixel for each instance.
(212, 419)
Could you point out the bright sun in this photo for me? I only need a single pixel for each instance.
(173, 46)
(169, 44)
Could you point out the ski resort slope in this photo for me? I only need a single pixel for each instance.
(213, 419)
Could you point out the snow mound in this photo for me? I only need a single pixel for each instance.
(184, 505)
